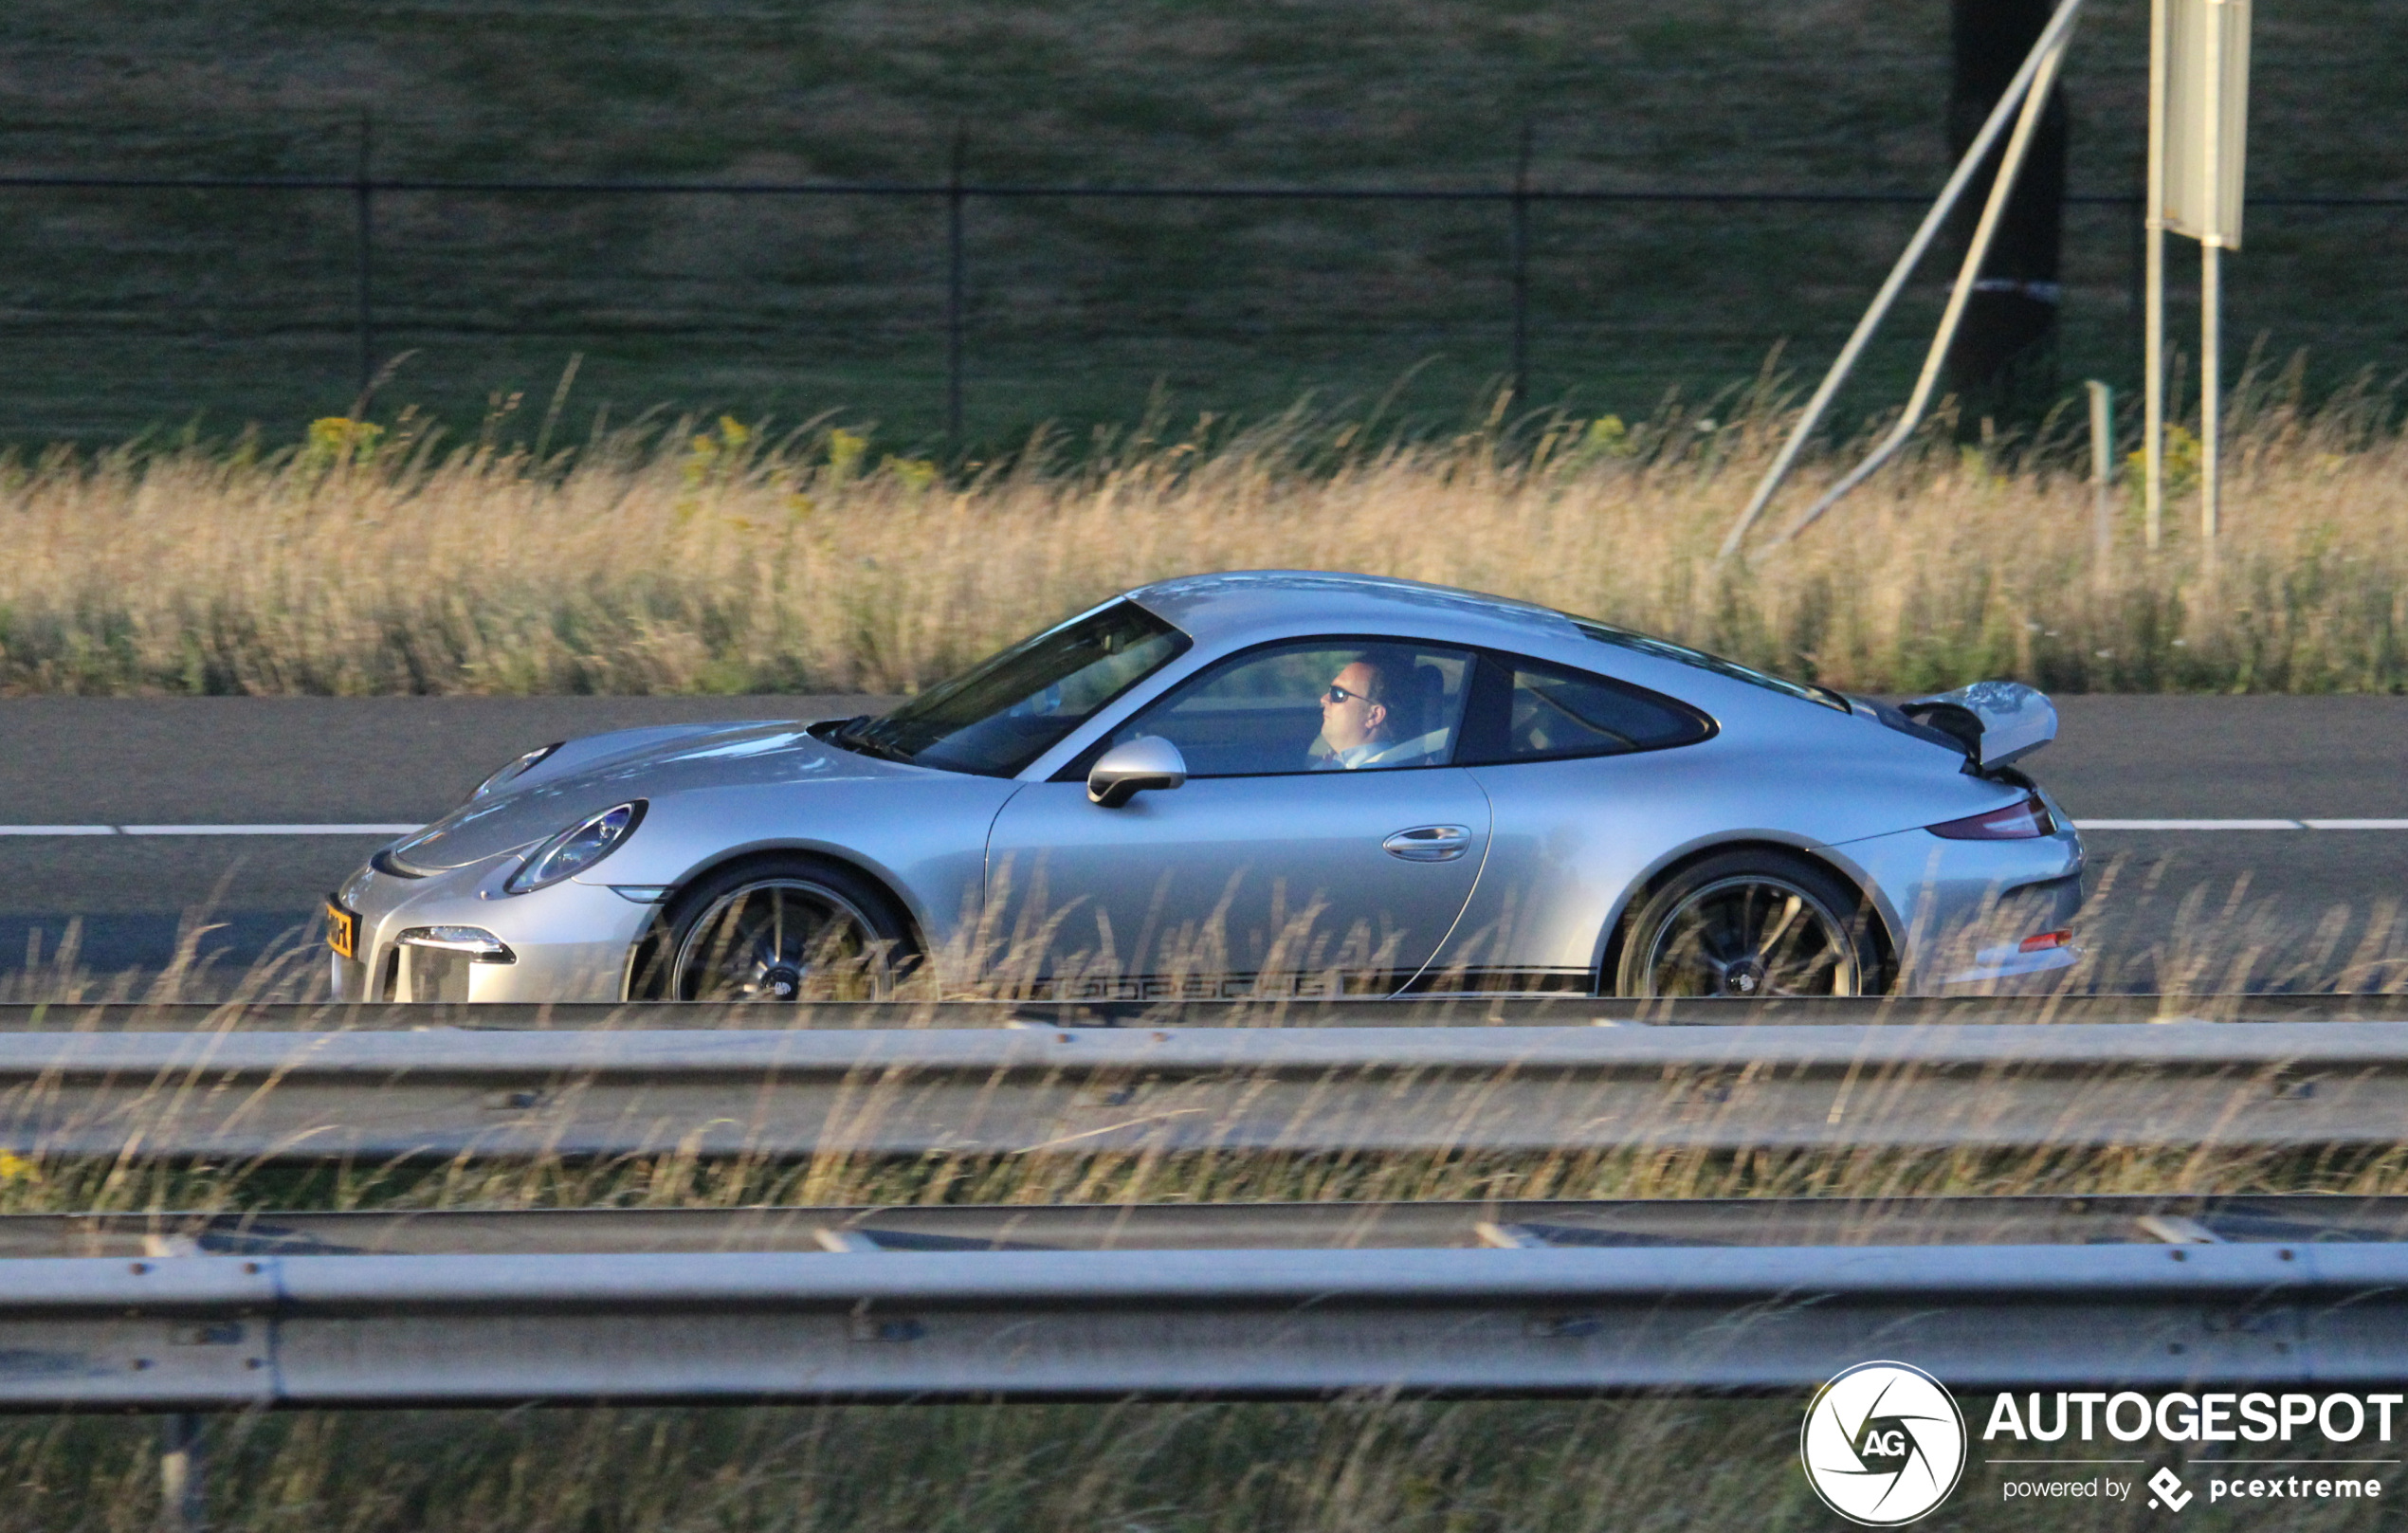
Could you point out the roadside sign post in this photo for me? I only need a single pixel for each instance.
(2198, 126)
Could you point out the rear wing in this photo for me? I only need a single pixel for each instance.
(1995, 722)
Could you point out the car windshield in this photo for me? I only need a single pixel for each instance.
(1010, 708)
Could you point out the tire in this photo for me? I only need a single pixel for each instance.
(1706, 931)
(780, 930)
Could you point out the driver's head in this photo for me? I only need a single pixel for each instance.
(1355, 706)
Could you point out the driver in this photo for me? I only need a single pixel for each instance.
(1354, 716)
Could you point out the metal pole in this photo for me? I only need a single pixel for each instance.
(2153, 309)
(1908, 260)
(2035, 102)
(2102, 471)
(183, 1493)
(363, 196)
(1521, 266)
(954, 292)
(2211, 291)
(2211, 394)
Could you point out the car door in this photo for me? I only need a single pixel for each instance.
(1324, 841)
(1590, 781)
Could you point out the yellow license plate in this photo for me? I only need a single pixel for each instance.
(342, 930)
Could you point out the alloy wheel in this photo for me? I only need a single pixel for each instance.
(1748, 936)
(781, 940)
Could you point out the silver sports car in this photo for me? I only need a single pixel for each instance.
(1257, 783)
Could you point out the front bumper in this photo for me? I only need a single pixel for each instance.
(570, 941)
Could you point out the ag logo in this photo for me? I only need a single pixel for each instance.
(1883, 1444)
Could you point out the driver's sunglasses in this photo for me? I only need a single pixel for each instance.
(1338, 694)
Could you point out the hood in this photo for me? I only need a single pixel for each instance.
(606, 770)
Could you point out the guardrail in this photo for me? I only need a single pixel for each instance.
(1353, 1012)
(1542, 1310)
(2055, 1220)
(318, 1095)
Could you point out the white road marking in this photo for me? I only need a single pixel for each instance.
(210, 829)
(2206, 824)
(267, 830)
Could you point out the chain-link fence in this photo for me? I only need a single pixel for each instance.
(968, 312)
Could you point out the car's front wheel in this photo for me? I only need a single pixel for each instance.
(1748, 924)
(786, 929)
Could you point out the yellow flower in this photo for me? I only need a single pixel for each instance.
(15, 1168)
(916, 473)
(334, 439)
(844, 452)
(2182, 461)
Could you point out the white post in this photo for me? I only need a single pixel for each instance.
(2211, 287)
(2102, 474)
(2153, 299)
(2211, 393)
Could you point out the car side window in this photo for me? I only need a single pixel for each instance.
(1527, 710)
(1319, 706)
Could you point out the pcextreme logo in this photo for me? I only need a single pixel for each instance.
(1884, 1443)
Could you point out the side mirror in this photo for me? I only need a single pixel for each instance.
(1126, 771)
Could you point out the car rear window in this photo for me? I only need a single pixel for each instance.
(1682, 654)
(1525, 711)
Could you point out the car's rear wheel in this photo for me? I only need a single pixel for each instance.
(1748, 924)
(789, 929)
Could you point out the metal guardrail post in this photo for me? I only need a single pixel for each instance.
(183, 1489)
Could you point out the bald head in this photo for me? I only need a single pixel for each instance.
(1354, 709)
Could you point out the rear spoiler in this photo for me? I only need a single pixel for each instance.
(1995, 722)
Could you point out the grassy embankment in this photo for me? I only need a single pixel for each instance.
(131, 309)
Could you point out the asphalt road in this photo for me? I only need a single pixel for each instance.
(2281, 908)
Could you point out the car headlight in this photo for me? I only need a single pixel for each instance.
(515, 769)
(577, 847)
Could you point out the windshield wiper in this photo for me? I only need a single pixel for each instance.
(858, 733)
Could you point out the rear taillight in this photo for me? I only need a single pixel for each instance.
(2043, 942)
(2017, 822)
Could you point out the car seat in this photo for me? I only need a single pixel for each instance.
(1419, 708)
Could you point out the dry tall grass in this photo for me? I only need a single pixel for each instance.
(369, 562)
(1360, 1464)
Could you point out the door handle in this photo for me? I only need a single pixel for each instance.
(1429, 843)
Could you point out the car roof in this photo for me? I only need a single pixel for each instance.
(1241, 604)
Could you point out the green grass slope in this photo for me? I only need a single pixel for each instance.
(121, 310)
